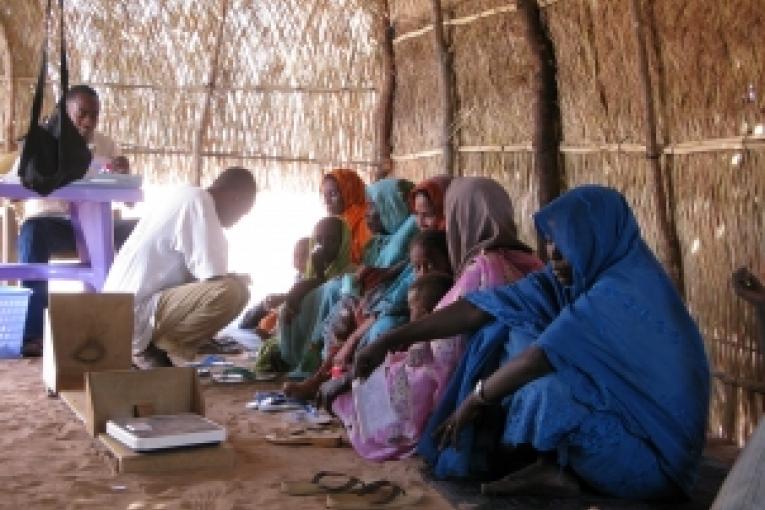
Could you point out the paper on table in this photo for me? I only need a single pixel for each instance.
(371, 401)
(98, 163)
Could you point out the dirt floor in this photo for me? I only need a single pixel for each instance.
(47, 461)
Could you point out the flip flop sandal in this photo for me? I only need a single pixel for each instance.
(303, 437)
(324, 482)
(221, 346)
(381, 494)
(234, 375)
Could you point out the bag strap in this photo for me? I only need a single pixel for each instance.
(64, 68)
(38, 99)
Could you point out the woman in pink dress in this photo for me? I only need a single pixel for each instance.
(485, 252)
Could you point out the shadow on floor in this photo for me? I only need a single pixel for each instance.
(467, 496)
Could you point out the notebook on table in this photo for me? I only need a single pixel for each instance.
(163, 431)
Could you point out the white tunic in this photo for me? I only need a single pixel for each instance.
(178, 240)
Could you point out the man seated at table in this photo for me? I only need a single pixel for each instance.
(176, 264)
(47, 229)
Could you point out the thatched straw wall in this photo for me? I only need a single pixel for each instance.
(701, 80)
(294, 82)
(295, 91)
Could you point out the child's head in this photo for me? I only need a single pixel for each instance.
(300, 254)
(430, 253)
(426, 292)
(327, 237)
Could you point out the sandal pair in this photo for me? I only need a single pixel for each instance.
(350, 493)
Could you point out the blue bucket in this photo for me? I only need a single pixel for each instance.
(14, 302)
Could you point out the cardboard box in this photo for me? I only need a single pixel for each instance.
(86, 360)
(85, 333)
(121, 393)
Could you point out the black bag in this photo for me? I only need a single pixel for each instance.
(54, 154)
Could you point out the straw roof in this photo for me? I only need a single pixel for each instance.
(291, 84)
(295, 86)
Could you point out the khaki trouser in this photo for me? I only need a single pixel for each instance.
(189, 315)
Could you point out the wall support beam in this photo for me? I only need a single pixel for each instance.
(547, 135)
(385, 34)
(204, 120)
(10, 90)
(670, 245)
(446, 83)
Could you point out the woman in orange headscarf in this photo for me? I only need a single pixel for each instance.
(344, 195)
(427, 202)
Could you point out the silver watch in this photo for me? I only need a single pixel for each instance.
(478, 392)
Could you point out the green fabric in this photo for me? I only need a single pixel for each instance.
(342, 262)
(269, 359)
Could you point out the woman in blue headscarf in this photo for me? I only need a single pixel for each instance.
(389, 215)
(594, 362)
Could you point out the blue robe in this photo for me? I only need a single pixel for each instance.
(626, 405)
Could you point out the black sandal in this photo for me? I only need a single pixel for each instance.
(318, 485)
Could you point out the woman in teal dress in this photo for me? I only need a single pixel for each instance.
(393, 226)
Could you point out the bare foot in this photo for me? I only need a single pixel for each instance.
(305, 390)
(539, 479)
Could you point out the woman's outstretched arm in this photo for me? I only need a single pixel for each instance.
(524, 368)
(457, 318)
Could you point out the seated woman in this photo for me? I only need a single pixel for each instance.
(345, 196)
(427, 202)
(485, 250)
(388, 217)
(329, 257)
(594, 362)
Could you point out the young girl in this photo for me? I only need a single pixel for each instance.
(423, 296)
(352, 318)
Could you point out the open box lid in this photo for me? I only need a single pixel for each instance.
(124, 393)
(84, 333)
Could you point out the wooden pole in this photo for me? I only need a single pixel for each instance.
(670, 245)
(7, 58)
(547, 119)
(204, 121)
(446, 83)
(387, 90)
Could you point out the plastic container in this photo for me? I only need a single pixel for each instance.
(14, 302)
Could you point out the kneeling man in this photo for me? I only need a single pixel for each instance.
(176, 264)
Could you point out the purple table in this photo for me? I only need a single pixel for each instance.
(91, 212)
